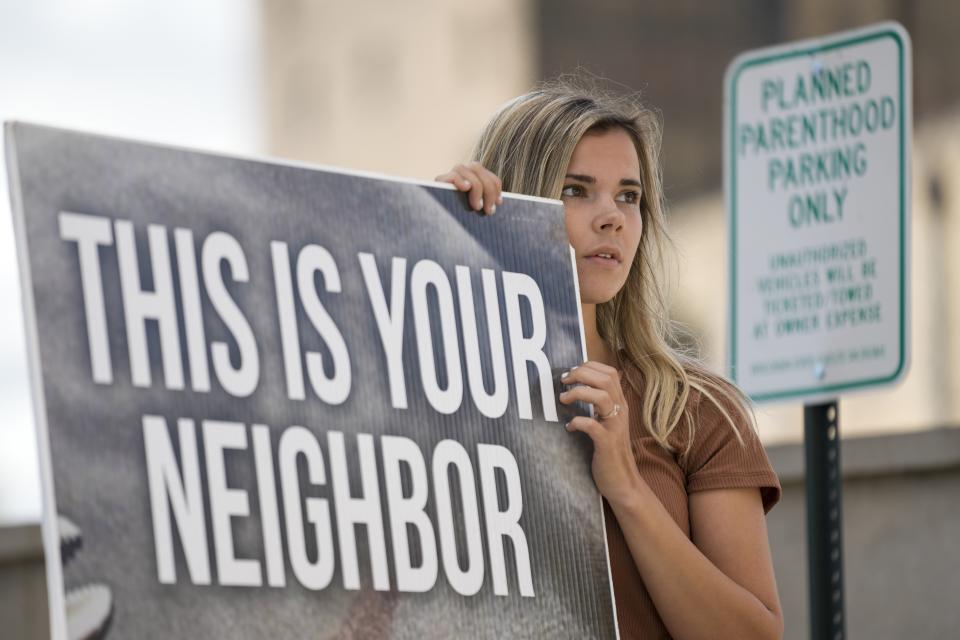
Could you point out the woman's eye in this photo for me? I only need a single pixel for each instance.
(630, 197)
(572, 190)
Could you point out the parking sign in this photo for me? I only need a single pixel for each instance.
(817, 153)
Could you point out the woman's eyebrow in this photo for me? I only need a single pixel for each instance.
(625, 182)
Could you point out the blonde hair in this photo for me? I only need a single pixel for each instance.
(528, 143)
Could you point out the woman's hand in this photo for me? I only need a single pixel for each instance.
(614, 469)
(481, 185)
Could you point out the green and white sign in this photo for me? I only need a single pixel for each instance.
(817, 177)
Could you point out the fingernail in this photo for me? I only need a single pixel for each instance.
(499, 199)
(493, 209)
(466, 184)
(564, 374)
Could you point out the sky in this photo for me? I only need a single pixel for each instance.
(177, 72)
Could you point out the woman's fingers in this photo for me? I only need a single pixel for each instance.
(454, 178)
(599, 367)
(475, 192)
(589, 376)
(598, 384)
(482, 186)
(599, 398)
(491, 187)
(585, 424)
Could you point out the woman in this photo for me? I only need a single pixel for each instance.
(685, 480)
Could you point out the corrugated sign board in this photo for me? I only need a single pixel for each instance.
(280, 401)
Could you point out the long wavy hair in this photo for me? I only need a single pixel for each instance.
(528, 143)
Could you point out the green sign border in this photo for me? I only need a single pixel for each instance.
(886, 32)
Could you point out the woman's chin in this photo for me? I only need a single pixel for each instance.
(596, 295)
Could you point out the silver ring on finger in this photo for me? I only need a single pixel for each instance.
(613, 412)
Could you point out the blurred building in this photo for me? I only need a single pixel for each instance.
(406, 91)
(401, 88)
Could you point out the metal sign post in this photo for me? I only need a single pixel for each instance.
(821, 438)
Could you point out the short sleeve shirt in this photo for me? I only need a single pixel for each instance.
(716, 460)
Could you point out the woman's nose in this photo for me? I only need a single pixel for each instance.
(609, 216)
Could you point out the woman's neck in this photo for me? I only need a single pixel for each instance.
(597, 349)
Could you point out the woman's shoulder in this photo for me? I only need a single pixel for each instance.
(715, 443)
(716, 402)
(719, 446)
(715, 411)
(713, 404)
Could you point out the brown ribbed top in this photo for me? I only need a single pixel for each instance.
(716, 460)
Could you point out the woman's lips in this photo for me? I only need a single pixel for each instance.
(600, 261)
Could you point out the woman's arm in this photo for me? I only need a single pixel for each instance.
(720, 584)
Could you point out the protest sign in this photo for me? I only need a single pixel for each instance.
(279, 400)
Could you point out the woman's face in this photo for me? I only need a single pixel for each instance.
(602, 192)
